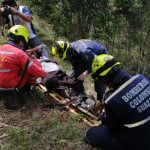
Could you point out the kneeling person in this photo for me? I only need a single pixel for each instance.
(125, 124)
(13, 62)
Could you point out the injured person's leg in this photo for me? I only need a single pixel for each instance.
(88, 103)
(85, 102)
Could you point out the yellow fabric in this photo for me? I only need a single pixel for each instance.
(54, 51)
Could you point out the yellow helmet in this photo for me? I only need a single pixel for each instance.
(19, 31)
(103, 64)
(59, 49)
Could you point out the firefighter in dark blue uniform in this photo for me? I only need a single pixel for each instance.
(81, 54)
(126, 122)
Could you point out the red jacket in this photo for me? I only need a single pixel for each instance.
(12, 62)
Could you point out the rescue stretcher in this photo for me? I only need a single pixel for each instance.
(90, 118)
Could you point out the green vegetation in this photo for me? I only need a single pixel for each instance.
(43, 130)
(35, 127)
(121, 25)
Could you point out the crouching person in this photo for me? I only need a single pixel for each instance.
(126, 122)
(16, 68)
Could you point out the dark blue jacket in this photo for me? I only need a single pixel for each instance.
(129, 105)
(128, 112)
(83, 52)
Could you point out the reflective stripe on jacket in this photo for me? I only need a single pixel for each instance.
(84, 52)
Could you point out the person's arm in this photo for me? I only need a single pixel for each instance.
(32, 50)
(41, 48)
(111, 118)
(25, 15)
(83, 76)
(87, 59)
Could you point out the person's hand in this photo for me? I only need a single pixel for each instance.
(2, 9)
(14, 10)
(33, 56)
(29, 52)
(83, 76)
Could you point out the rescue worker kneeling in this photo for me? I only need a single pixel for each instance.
(16, 68)
(126, 122)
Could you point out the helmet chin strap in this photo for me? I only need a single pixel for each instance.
(69, 54)
(13, 42)
(21, 44)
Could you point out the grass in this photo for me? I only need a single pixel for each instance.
(34, 129)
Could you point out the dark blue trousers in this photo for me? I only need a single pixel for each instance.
(102, 137)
